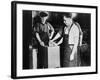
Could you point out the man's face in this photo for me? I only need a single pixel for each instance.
(43, 19)
(67, 21)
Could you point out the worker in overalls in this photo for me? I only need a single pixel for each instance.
(71, 39)
(44, 32)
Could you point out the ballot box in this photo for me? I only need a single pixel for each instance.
(54, 57)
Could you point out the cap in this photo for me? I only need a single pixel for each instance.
(43, 14)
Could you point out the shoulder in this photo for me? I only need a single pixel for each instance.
(74, 27)
(78, 25)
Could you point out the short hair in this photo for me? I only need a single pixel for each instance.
(68, 15)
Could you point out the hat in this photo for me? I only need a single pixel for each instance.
(43, 14)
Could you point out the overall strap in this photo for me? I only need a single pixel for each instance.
(80, 32)
(70, 28)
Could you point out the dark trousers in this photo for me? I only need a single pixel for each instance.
(42, 57)
(66, 58)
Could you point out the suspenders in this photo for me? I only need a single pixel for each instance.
(80, 34)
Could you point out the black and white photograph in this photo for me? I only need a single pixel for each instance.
(53, 39)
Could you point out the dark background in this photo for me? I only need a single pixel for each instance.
(57, 21)
(27, 35)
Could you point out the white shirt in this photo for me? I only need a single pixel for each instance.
(73, 34)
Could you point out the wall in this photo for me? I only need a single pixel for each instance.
(5, 39)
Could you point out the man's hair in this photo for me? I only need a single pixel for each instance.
(68, 15)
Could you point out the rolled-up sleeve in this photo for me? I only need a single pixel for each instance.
(36, 28)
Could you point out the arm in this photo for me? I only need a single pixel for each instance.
(81, 38)
(76, 39)
(56, 44)
(52, 30)
(38, 38)
(61, 40)
(73, 51)
(80, 34)
(52, 33)
(56, 37)
(75, 46)
(37, 30)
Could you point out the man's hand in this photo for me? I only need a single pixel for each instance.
(52, 44)
(55, 44)
(42, 43)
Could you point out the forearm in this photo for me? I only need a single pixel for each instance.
(56, 37)
(38, 37)
(60, 41)
(52, 33)
(75, 47)
(81, 38)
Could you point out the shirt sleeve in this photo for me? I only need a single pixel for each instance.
(80, 34)
(76, 34)
(36, 28)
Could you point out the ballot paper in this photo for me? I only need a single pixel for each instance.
(54, 57)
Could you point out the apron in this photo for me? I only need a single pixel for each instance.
(67, 50)
(43, 52)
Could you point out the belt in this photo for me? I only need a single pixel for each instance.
(71, 44)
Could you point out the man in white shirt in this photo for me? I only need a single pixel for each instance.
(71, 38)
